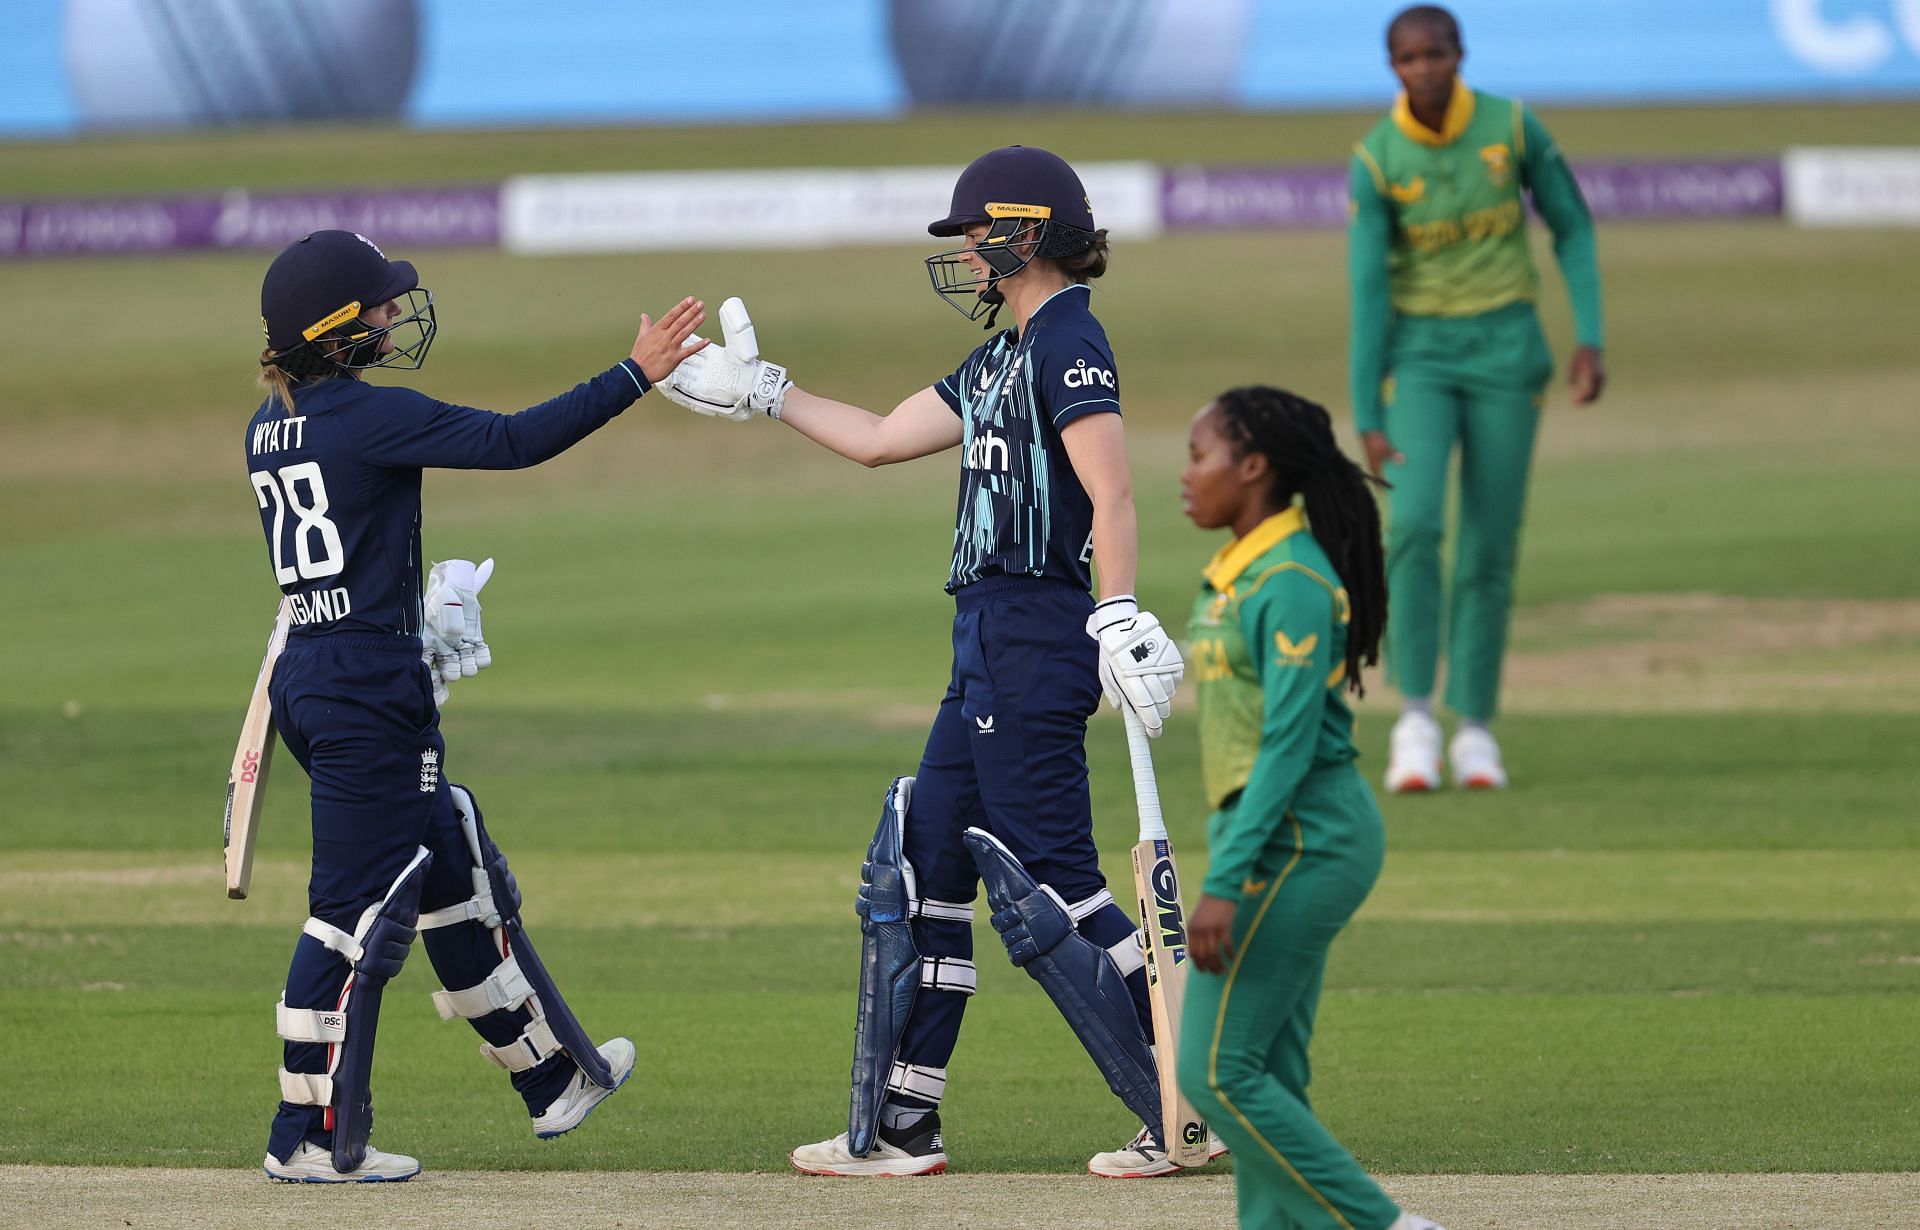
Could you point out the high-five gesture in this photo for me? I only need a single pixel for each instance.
(730, 381)
(662, 347)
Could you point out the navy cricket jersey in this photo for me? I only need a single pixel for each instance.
(1022, 510)
(338, 484)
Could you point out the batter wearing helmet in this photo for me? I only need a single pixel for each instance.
(335, 466)
(1000, 796)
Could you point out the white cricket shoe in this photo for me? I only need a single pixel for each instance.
(1413, 758)
(312, 1164)
(581, 1095)
(1412, 1221)
(1141, 1158)
(917, 1154)
(1476, 760)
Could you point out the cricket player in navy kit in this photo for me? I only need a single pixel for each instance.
(335, 467)
(1001, 792)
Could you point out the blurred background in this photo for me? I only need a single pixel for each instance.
(716, 644)
(79, 65)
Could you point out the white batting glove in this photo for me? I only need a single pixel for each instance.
(729, 381)
(432, 662)
(1140, 666)
(451, 627)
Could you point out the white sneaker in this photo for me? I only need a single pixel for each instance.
(921, 1153)
(312, 1164)
(1413, 759)
(581, 1095)
(1476, 760)
(1413, 1221)
(1141, 1158)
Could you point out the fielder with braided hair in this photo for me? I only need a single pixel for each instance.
(1289, 613)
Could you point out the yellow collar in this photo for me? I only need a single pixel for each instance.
(1459, 115)
(1237, 556)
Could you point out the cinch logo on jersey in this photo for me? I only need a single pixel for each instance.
(989, 452)
(1081, 376)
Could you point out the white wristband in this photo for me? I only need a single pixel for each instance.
(1111, 611)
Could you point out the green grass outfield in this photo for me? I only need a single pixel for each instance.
(1686, 940)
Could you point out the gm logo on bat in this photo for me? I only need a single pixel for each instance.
(1166, 904)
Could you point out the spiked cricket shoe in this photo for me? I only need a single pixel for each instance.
(1413, 758)
(581, 1095)
(1476, 760)
(914, 1151)
(1143, 1158)
(312, 1164)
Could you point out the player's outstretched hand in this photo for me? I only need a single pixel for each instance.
(1140, 666)
(1210, 934)
(730, 381)
(661, 347)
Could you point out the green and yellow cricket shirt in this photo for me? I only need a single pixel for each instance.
(1268, 646)
(1439, 230)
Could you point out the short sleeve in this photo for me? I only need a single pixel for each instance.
(1075, 376)
(951, 388)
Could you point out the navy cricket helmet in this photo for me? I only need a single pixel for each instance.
(1033, 206)
(312, 298)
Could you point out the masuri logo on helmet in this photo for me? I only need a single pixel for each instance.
(1034, 207)
(312, 298)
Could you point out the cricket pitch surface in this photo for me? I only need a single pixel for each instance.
(62, 1196)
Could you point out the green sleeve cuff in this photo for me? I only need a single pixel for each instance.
(1227, 888)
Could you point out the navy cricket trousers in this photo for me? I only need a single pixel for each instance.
(1007, 753)
(357, 712)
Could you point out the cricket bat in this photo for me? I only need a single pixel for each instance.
(247, 779)
(1163, 931)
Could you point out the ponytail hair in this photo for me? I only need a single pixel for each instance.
(280, 374)
(1296, 437)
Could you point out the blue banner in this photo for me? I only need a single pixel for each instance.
(70, 66)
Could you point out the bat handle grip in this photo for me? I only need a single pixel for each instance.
(1146, 791)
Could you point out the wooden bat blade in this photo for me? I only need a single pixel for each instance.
(247, 776)
(1163, 926)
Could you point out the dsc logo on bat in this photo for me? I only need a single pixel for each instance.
(250, 765)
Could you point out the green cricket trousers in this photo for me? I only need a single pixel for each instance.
(1244, 1034)
(1474, 383)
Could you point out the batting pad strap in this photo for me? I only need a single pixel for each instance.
(477, 908)
(1080, 911)
(505, 988)
(1128, 955)
(950, 911)
(473, 909)
(535, 1045)
(306, 1088)
(309, 1024)
(949, 974)
(334, 938)
(927, 1083)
